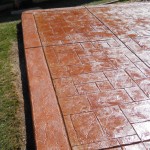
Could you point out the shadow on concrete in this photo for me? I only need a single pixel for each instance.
(30, 145)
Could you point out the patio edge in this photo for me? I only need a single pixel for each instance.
(49, 128)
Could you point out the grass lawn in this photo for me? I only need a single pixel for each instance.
(97, 2)
(10, 120)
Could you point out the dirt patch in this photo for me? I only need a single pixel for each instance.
(14, 61)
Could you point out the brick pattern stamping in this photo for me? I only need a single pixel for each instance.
(99, 62)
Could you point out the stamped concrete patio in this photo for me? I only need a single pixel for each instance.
(88, 71)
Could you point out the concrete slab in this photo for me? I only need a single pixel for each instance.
(89, 76)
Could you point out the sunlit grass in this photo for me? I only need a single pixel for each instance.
(10, 135)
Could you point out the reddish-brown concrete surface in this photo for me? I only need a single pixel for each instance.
(89, 76)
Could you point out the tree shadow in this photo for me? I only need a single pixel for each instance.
(30, 140)
(63, 3)
(5, 16)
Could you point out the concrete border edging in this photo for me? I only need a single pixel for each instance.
(49, 128)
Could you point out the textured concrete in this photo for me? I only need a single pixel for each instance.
(89, 76)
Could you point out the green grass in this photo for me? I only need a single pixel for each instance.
(97, 2)
(10, 134)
